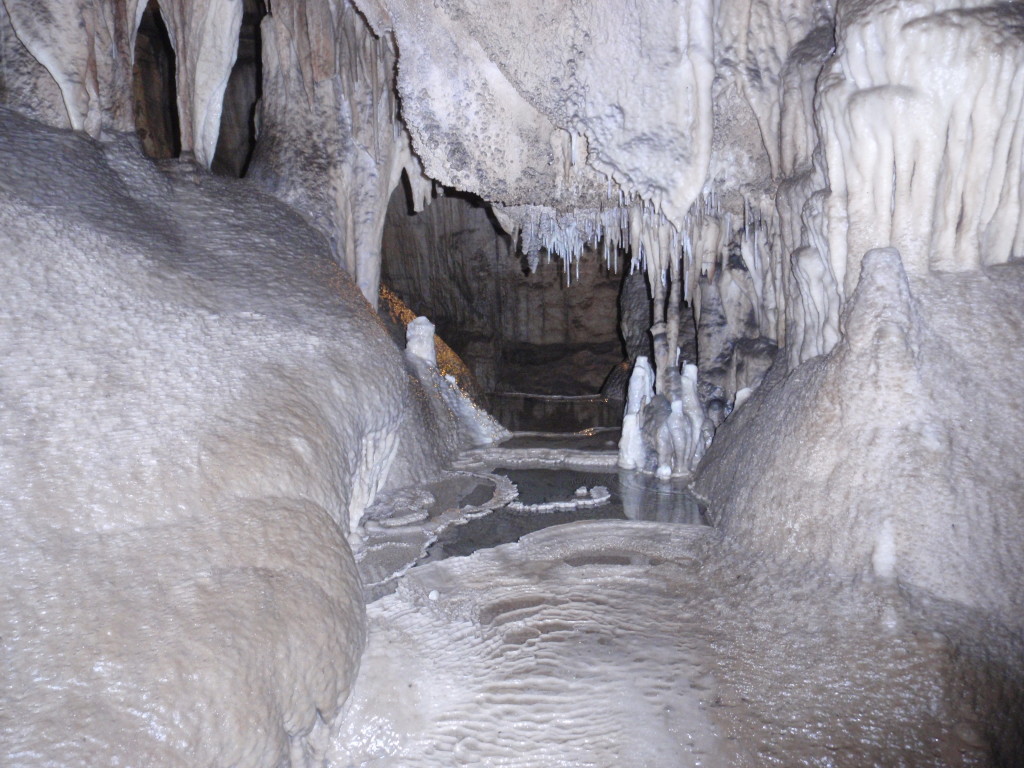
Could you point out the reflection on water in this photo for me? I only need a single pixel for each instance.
(590, 439)
(646, 497)
(633, 496)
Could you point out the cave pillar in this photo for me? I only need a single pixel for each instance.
(331, 142)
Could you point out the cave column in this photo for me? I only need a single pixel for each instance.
(331, 142)
(87, 49)
(205, 40)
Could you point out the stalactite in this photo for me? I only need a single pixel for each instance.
(925, 153)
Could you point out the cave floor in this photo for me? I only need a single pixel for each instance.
(635, 637)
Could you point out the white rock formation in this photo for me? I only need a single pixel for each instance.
(475, 425)
(577, 138)
(924, 153)
(894, 457)
(760, 159)
(632, 454)
(559, 117)
(196, 403)
(666, 436)
(87, 48)
(556, 119)
(332, 144)
(419, 335)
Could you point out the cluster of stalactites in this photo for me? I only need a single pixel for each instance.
(711, 238)
(730, 244)
(627, 224)
(921, 111)
(916, 144)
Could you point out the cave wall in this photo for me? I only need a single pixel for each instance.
(331, 143)
(88, 50)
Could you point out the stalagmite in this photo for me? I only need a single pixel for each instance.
(419, 336)
(893, 432)
(641, 391)
(476, 426)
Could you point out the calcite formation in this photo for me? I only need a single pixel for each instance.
(827, 193)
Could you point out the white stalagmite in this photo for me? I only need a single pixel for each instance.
(667, 443)
(681, 435)
(475, 425)
(641, 390)
(895, 456)
(419, 335)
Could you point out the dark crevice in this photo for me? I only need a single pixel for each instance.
(237, 137)
(154, 88)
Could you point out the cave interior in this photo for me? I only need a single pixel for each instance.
(524, 383)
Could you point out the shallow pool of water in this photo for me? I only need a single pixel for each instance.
(633, 496)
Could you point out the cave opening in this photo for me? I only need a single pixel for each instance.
(548, 348)
(238, 129)
(154, 87)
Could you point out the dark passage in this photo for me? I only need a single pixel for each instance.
(154, 88)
